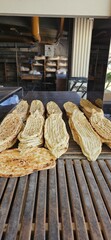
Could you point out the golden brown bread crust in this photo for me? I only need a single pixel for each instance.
(9, 129)
(87, 107)
(69, 107)
(99, 102)
(102, 126)
(13, 163)
(85, 136)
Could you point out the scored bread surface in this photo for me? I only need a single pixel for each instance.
(52, 107)
(55, 130)
(34, 125)
(22, 109)
(85, 136)
(32, 134)
(87, 107)
(9, 129)
(102, 125)
(55, 134)
(37, 105)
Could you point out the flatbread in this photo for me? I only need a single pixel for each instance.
(52, 107)
(22, 109)
(85, 136)
(87, 107)
(34, 143)
(32, 134)
(99, 102)
(55, 132)
(56, 135)
(69, 107)
(57, 151)
(9, 129)
(102, 126)
(7, 144)
(37, 105)
(16, 164)
(34, 126)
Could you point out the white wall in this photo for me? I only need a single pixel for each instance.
(100, 8)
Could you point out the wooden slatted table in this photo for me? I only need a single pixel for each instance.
(69, 202)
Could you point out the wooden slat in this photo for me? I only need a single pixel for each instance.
(25, 231)
(13, 223)
(76, 206)
(103, 187)
(6, 202)
(98, 201)
(53, 206)
(67, 232)
(39, 232)
(87, 203)
(3, 182)
(106, 172)
(108, 162)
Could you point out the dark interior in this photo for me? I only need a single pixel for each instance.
(18, 43)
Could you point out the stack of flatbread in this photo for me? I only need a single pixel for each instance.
(55, 134)
(13, 163)
(37, 105)
(87, 108)
(9, 129)
(22, 109)
(69, 108)
(84, 135)
(102, 126)
(32, 134)
(52, 107)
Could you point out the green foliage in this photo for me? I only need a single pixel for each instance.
(108, 77)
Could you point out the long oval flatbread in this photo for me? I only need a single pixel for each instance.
(37, 105)
(55, 134)
(85, 136)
